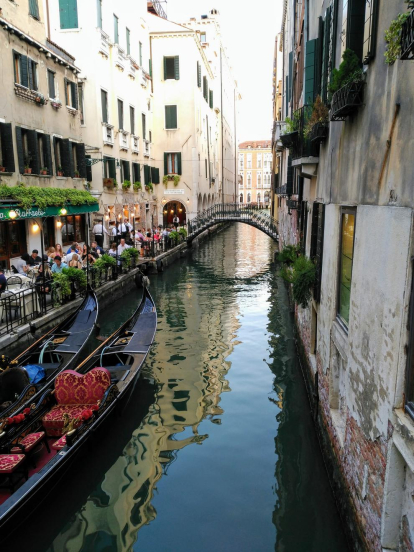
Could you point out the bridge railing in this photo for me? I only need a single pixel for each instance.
(243, 212)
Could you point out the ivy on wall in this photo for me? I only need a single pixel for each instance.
(30, 196)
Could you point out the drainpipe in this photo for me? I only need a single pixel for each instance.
(222, 140)
(208, 155)
(48, 19)
(235, 151)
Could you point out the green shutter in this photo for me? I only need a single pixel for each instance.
(287, 96)
(170, 116)
(66, 157)
(150, 67)
(99, 12)
(47, 150)
(111, 167)
(116, 30)
(7, 146)
(74, 93)
(88, 169)
(24, 77)
(104, 106)
(198, 74)
(289, 177)
(177, 67)
(165, 163)
(155, 175)
(68, 10)
(325, 56)
(20, 151)
(33, 151)
(34, 8)
(65, 84)
(31, 76)
(310, 60)
(147, 174)
(179, 169)
(51, 83)
(80, 157)
(128, 41)
(121, 114)
(136, 172)
(211, 99)
(165, 68)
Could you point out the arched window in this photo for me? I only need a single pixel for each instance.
(267, 197)
(249, 198)
(259, 180)
(241, 198)
(258, 198)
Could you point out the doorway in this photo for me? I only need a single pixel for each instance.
(171, 209)
(49, 238)
(12, 241)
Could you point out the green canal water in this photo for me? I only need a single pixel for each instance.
(217, 450)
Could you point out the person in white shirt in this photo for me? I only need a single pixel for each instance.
(122, 246)
(113, 232)
(128, 225)
(99, 230)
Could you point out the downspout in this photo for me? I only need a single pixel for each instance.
(222, 140)
(152, 68)
(48, 19)
(235, 151)
(208, 155)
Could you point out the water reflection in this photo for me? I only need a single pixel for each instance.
(213, 312)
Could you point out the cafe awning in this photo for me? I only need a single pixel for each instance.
(9, 211)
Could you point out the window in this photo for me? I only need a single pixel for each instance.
(249, 198)
(99, 13)
(25, 71)
(150, 136)
(116, 29)
(316, 248)
(71, 95)
(140, 54)
(171, 68)
(259, 180)
(259, 198)
(51, 83)
(203, 38)
(198, 74)
(6, 147)
(259, 160)
(172, 163)
(205, 163)
(104, 103)
(348, 217)
(34, 9)
(144, 126)
(171, 117)
(241, 161)
(121, 114)
(353, 19)
(136, 172)
(132, 119)
(81, 103)
(125, 170)
(32, 75)
(211, 102)
(241, 198)
(109, 167)
(249, 160)
(205, 89)
(128, 41)
(249, 179)
(73, 229)
(68, 11)
(370, 30)
(57, 144)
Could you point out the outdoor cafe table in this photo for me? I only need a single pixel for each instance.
(25, 298)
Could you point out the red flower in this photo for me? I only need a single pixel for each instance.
(10, 421)
(26, 411)
(86, 414)
(18, 418)
(95, 407)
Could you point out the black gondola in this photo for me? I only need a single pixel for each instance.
(116, 363)
(57, 350)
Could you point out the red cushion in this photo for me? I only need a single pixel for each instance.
(60, 444)
(9, 462)
(53, 421)
(74, 388)
(29, 442)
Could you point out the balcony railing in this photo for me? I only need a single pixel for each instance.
(134, 143)
(154, 6)
(407, 38)
(303, 146)
(123, 140)
(347, 100)
(281, 190)
(108, 134)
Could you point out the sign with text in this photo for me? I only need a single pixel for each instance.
(173, 192)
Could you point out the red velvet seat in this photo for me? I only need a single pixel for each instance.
(10, 465)
(75, 393)
(60, 444)
(29, 442)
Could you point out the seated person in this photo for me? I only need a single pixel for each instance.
(22, 265)
(87, 256)
(34, 258)
(75, 262)
(112, 252)
(72, 251)
(96, 247)
(3, 281)
(76, 250)
(43, 282)
(58, 265)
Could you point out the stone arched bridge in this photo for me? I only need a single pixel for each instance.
(232, 212)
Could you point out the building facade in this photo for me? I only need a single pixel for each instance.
(41, 136)
(345, 196)
(255, 170)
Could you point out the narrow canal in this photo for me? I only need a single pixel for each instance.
(218, 451)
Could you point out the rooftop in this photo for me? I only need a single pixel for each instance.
(256, 144)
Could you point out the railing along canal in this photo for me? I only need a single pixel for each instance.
(233, 212)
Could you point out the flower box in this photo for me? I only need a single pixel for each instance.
(347, 100)
(290, 139)
(27, 170)
(319, 132)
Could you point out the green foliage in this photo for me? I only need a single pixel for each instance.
(165, 180)
(128, 254)
(126, 184)
(301, 275)
(289, 254)
(320, 114)
(115, 182)
(137, 186)
(60, 287)
(292, 125)
(348, 71)
(176, 179)
(106, 261)
(75, 275)
(393, 37)
(174, 236)
(183, 232)
(30, 196)
(149, 187)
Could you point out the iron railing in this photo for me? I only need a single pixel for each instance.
(303, 146)
(233, 212)
(407, 38)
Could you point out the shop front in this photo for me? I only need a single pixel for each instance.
(172, 209)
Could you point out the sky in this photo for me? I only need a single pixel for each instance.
(248, 30)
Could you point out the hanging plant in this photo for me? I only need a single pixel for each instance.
(165, 180)
(30, 196)
(126, 184)
(393, 35)
(176, 179)
(137, 186)
(302, 276)
(149, 187)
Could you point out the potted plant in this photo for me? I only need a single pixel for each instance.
(302, 276)
(137, 186)
(165, 180)
(316, 129)
(43, 171)
(115, 183)
(76, 174)
(176, 179)
(40, 99)
(57, 104)
(347, 87)
(290, 134)
(2, 169)
(27, 167)
(149, 187)
(59, 171)
(398, 38)
(126, 184)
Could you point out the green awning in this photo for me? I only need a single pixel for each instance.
(36, 212)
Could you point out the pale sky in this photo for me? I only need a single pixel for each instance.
(248, 29)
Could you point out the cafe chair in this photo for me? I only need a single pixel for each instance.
(14, 281)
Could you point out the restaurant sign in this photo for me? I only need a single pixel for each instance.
(173, 192)
(18, 213)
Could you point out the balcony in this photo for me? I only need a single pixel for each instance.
(147, 148)
(120, 59)
(281, 190)
(104, 44)
(134, 143)
(303, 148)
(144, 79)
(123, 140)
(132, 68)
(407, 38)
(347, 100)
(108, 134)
(29, 95)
